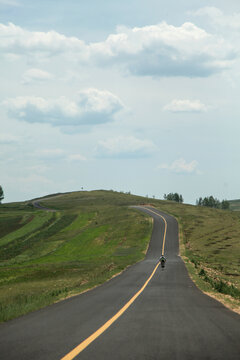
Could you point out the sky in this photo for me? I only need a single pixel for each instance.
(139, 96)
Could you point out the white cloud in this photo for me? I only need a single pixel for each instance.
(181, 166)
(91, 107)
(178, 105)
(155, 50)
(218, 18)
(165, 50)
(16, 40)
(76, 157)
(124, 147)
(36, 75)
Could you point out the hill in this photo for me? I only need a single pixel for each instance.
(46, 256)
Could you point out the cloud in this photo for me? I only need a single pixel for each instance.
(155, 50)
(181, 166)
(124, 147)
(36, 75)
(16, 40)
(91, 107)
(218, 18)
(166, 50)
(185, 106)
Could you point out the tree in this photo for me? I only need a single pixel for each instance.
(225, 205)
(212, 202)
(1, 194)
(176, 197)
(173, 197)
(199, 201)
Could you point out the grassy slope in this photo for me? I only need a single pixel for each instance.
(49, 256)
(93, 236)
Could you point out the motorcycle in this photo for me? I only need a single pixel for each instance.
(162, 261)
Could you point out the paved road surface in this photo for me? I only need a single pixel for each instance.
(171, 319)
(38, 206)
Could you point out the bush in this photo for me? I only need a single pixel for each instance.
(220, 285)
(202, 272)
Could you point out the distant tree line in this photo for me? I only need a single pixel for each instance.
(1, 194)
(173, 197)
(212, 202)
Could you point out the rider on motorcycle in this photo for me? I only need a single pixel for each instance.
(162, 260)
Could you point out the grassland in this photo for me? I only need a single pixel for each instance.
(47, 256)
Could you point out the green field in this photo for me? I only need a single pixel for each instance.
(47, 256)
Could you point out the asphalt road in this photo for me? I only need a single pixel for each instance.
(38, 206)
(171, 319)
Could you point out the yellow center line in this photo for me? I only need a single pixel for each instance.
(76, 351)
(165, 230)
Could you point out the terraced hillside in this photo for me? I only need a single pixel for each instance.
(48, 255)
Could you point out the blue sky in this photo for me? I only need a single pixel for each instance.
(132, 96)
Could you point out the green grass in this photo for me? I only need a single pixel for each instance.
(47, 256)
(26, 225)
(90, 238)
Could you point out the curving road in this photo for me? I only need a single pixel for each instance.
(38, 206)
(163, 316)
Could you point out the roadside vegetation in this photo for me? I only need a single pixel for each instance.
(47, 256)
